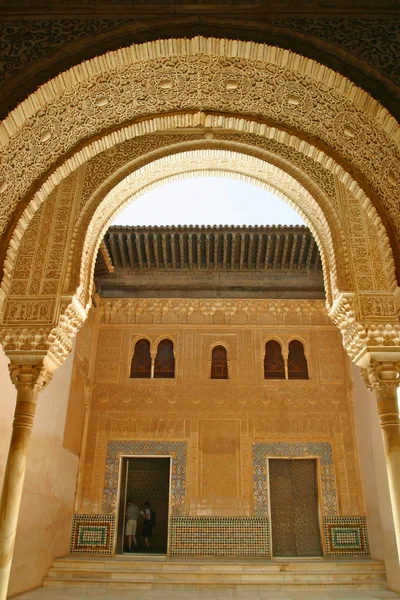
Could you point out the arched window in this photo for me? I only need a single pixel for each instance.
(219, 363)
(274, 366)
(164, 365)
(141, 361)
(297, 362)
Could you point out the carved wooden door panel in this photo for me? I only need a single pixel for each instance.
(294, 507)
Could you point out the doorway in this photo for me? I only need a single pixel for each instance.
(145, 479)
(295, 529)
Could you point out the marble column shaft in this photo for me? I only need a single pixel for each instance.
(384, 379)
(29, 381)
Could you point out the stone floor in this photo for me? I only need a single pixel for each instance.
(107, 594)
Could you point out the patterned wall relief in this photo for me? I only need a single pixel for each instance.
(322, 450)
(363, 38)
(92, 534)
(346, 536)
(219, 465)
(126, 409)
(219, 536)
(117, 448)
(284, 94)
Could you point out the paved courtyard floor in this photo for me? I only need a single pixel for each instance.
(107, 594)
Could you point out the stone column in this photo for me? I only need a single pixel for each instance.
(383, 378)
(29, 381)
(82, 456)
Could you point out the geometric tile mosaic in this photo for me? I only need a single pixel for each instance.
(92, 534)
(219, 536)
(326, 471)
(117, 448)
(346, 536)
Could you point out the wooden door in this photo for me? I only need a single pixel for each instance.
(294, 507)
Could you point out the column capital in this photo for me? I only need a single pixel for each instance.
(382, 377)
(30, 377)
(368, 335)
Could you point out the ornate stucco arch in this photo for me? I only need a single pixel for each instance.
(231, 77)
(210, 162)
(236, 92)
(113, 98)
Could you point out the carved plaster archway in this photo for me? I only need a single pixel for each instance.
(297, 103)
(214, 162)
(199, 74)
(195, 87)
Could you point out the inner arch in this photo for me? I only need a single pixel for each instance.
(200, 163)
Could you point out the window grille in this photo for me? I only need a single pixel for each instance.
(141, 361)
(164, 366)
(219, 363)
(297, 362)
(274, 365)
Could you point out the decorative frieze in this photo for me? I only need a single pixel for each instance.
(186, 311)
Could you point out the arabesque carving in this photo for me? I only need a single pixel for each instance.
(181, 408)
(361, 332)
(272, 83)
(231, 162)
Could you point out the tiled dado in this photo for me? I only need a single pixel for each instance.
(321, 450)
(118, 448)
(92, 534)
(346, 536)
(219, 536)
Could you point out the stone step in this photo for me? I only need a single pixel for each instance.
(162, 572)
(196, 585)
(218, 565)
(233, 577)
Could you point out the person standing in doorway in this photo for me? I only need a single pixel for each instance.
(131, 515)
(147, 524)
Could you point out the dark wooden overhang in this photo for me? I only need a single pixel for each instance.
(211, 261)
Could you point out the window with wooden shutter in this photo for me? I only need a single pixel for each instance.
(274, 365)
(297, 362)
(141, 361)
(164, 366)
(219, 363)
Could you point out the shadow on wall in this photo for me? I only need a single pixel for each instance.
(44, 527)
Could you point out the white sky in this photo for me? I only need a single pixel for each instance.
(208, 201)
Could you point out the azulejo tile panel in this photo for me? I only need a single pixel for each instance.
(322, 450)
(219, 536)
(92, 534)
(346, 536)
(117, 448)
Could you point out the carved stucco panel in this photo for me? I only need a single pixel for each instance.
(191, 162)
(314, 410)
(200, 74)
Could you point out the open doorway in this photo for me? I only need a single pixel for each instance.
(145, 479)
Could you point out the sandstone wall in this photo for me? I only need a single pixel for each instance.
(219, 419)
(44, 527)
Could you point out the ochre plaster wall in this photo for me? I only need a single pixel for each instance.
(44, 527)
(219, 419)
(374, 479)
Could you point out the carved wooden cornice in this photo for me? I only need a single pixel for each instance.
(207, 247)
